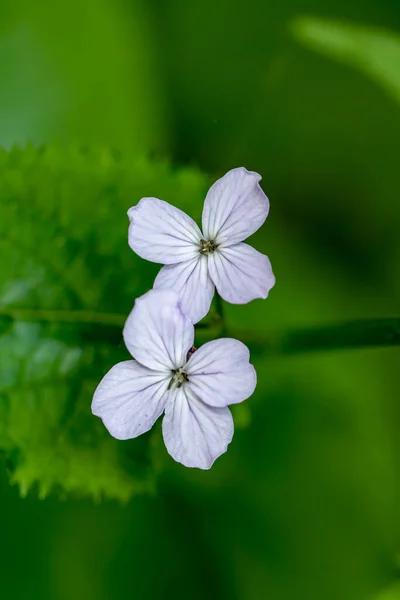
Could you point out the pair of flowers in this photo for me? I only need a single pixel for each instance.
(192, 387)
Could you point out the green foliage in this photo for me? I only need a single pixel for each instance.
(375, 52)
(392, 593)
(65, 270)
(305, 502)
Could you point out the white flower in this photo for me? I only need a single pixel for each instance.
(197, 262)
(192, 388)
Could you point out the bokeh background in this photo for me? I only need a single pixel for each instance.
(103, 102)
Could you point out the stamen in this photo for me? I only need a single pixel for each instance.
(207, 246)
(178, 378)
(190, 352)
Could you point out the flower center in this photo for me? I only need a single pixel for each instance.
(207, 246)
(178, 379)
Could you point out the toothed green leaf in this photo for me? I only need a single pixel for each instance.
(67, 280)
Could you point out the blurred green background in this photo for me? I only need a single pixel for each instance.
(103, 102)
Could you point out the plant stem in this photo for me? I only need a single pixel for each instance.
(355, 334)
(219, 306)
(59, 317)
(366, 333)
(220, 313)
(63, 316)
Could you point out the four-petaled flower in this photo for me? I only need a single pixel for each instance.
(196, 262)
(192, 388)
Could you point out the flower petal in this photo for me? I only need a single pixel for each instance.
(157, 333)
(235, 207)
(195, 434)
(129, 399)
(193, 284)
(220, 373)
(241, 273)
(162, 233)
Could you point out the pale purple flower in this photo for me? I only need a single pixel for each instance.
(198, 262)
(192, 388)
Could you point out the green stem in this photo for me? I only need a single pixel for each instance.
(219, 306)
(366, 333)
(354, 334)
(84, 317)
(63, 316)
(220, 313)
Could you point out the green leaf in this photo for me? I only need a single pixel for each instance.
(392, 593)
(67, 281)
(375, 52)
